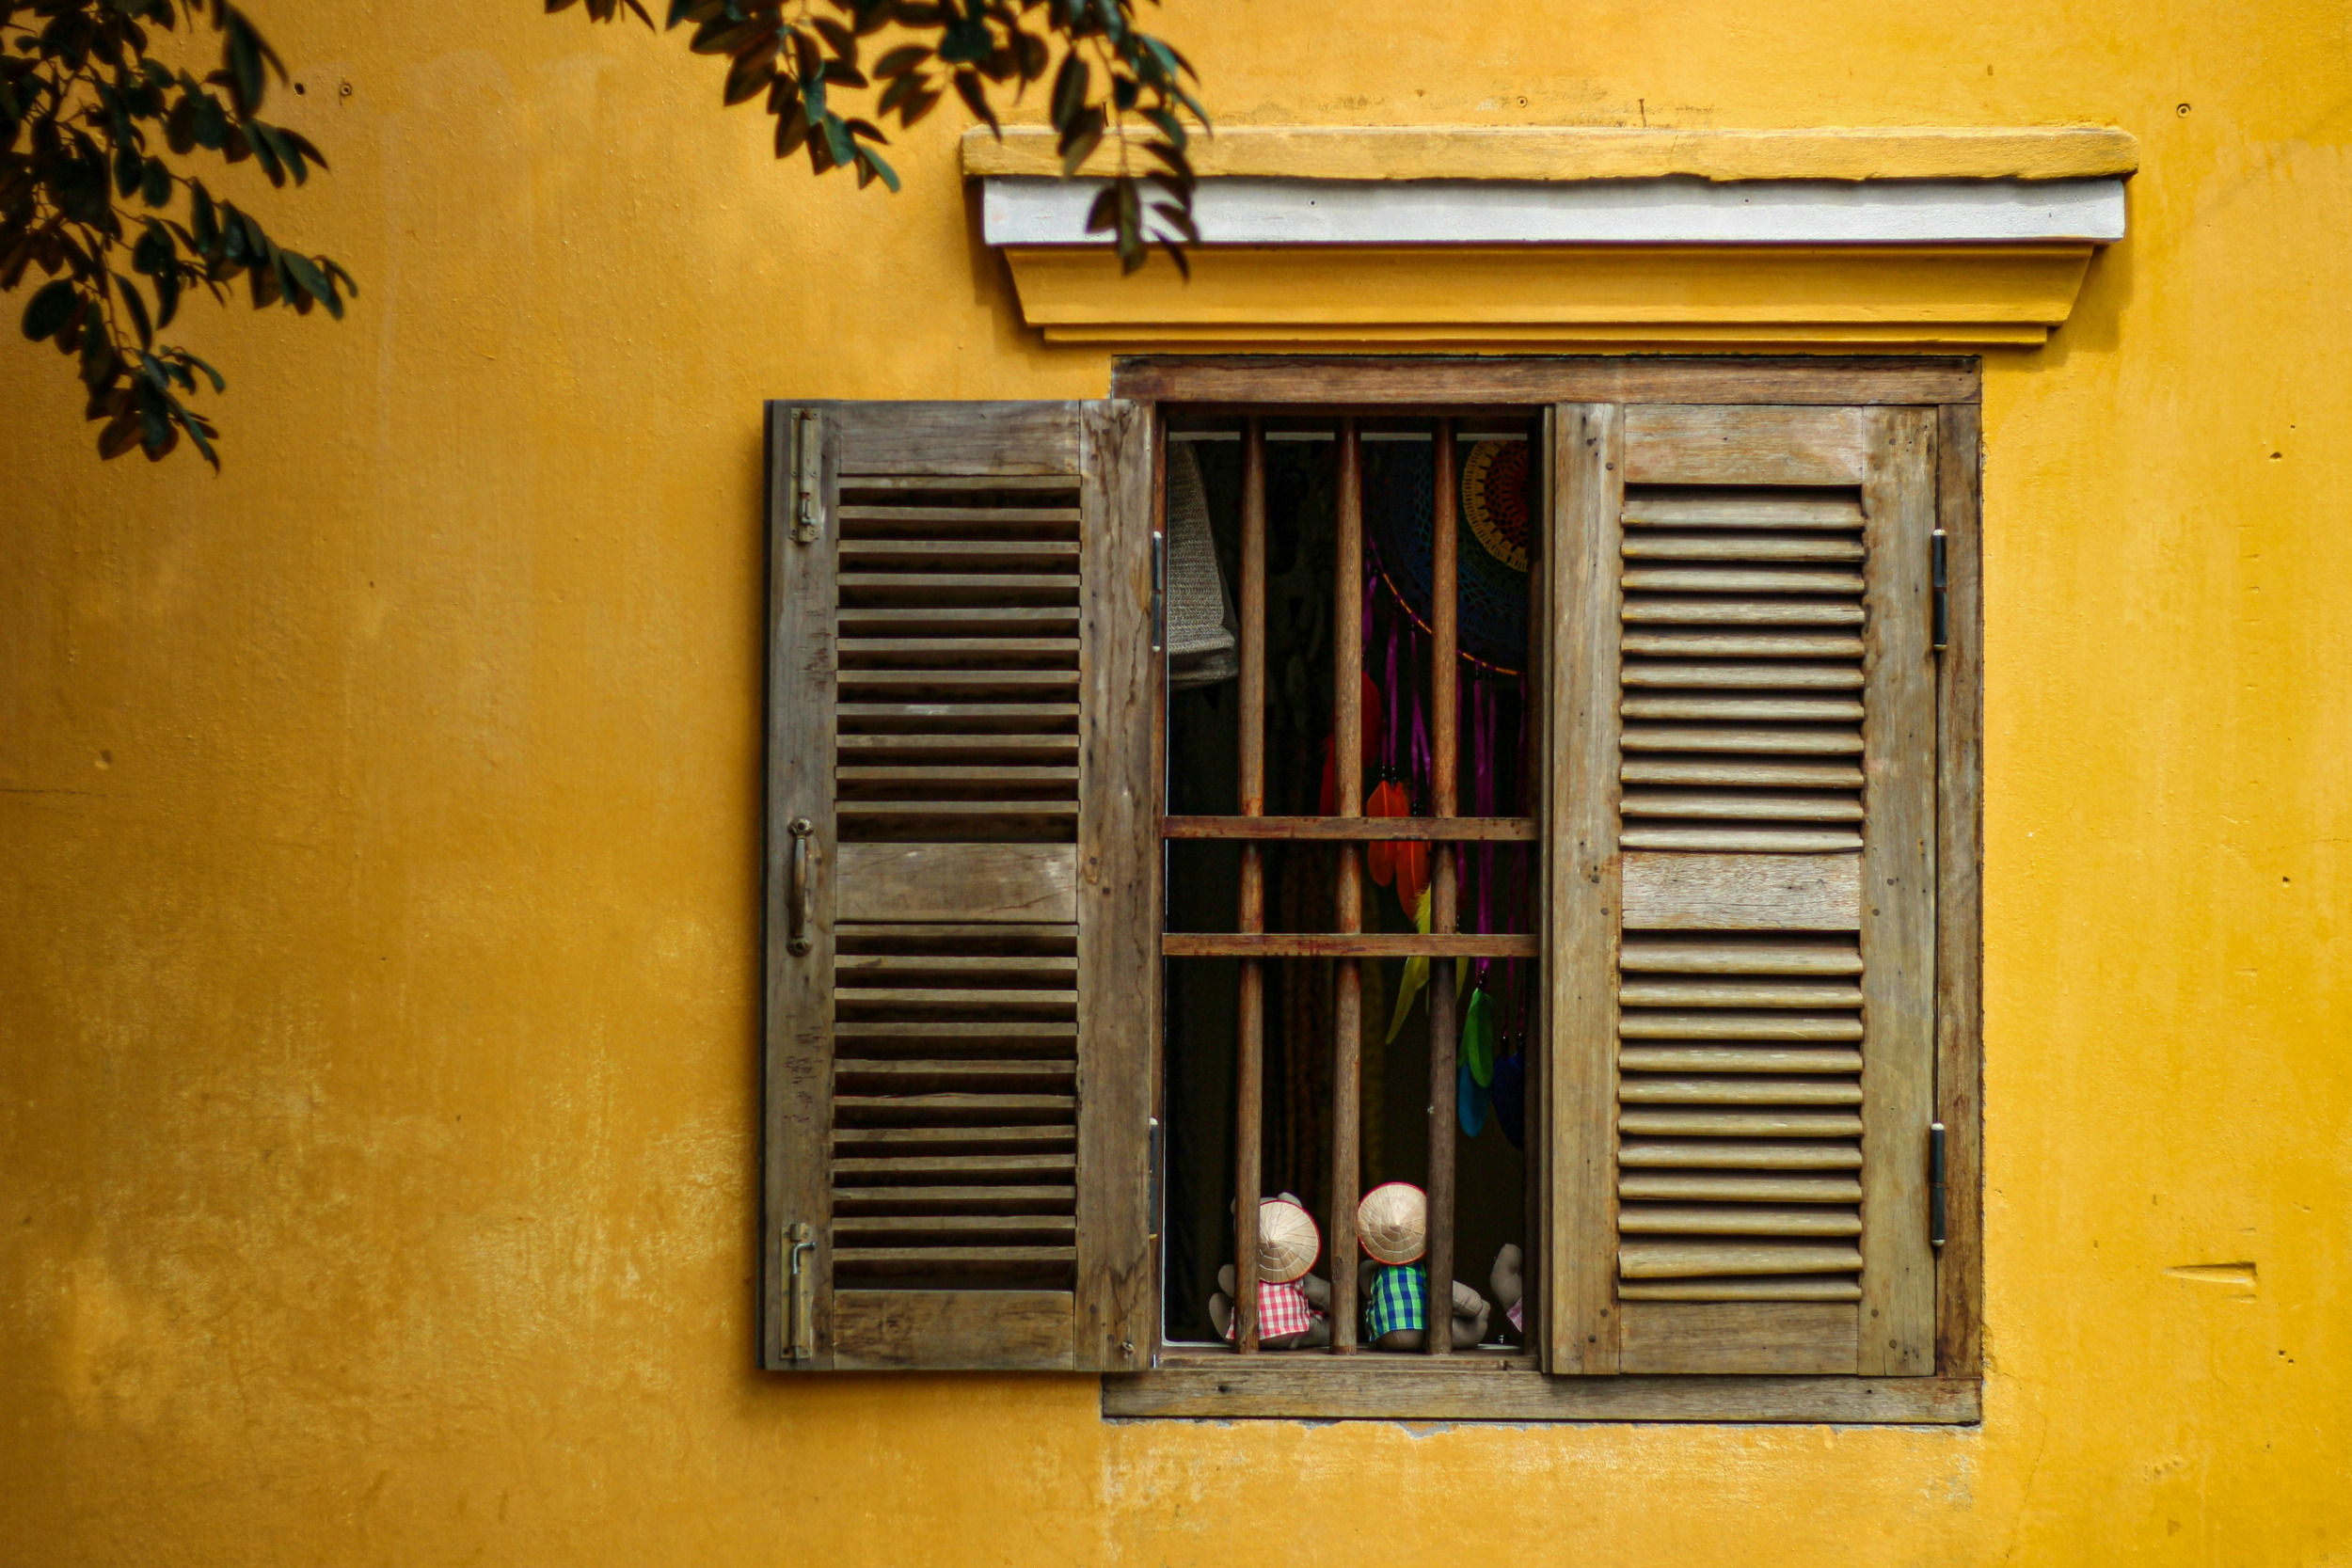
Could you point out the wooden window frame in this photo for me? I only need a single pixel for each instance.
(1195, 1383)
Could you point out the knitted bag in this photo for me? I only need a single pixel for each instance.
(1202, 625)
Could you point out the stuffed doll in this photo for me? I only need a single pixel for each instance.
(1392, 1226)
(1510, 1288)
(1294, 1307)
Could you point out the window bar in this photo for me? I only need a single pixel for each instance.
(1249, 1069)
(1347, 751)
(1444, 752)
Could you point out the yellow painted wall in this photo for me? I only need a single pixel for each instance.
(377, 830)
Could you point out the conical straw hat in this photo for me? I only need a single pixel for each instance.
(1287, 1241)
(1392, 1223)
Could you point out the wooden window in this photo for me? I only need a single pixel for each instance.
(1755, 679)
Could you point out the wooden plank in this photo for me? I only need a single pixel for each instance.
(1775, 775)
(1021, 882)
(1695, 577)
(1736, 1058)
(1712, 673)
(974, 1229)
(1445, 592)
(1717, 992)
(1733, 546)
(1787, 840)
(1503, 380)
(1117, 895)
(881, 1141)
(982, 1330)
(797, 1024)
(1380, 945)
(1775, 806)
(1741, 613)
(1684, 1089)
(1739, 1338)
(1742, 954)
(1249, 1067)
(1356, 830)
(1688, 1259)
(1007, 1260)
(1347, 729)
(1841, 741)
(953, 1200)
(1711, 642)
(1958, 860)
(1690, 1123)
(1297, 1387)
(952, 1167)
(913, 487)
(1898, 914)
(994, 440)
(1751, 1288)
(1708, 1219)
(1748, 508)
(1742, 709)
(1653, 1153)
(1665, 444)
(1742, 893)
(1740, 1026)
(1709, 1186)
(1582, 883)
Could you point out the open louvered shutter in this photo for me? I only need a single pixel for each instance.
(1742, 864)
(961, 886)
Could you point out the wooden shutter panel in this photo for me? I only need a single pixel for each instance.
(959, 847)
(1742, 890)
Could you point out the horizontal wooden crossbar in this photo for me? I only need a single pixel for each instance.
(1355, 829)
(1369, 945)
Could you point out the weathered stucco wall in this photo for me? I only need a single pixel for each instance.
(377, 830)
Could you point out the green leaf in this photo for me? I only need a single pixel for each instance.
(1103, 214)
(49, 308)
(1080, 139)
(156, 185)
(968, 40)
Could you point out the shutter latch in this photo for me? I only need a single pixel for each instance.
(1943, 611)
(807, 450)
(799, 1240)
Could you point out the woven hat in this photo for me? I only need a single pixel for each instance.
(1287, 1241)
(1392, 1223)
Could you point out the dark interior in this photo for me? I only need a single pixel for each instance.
(1202, 878)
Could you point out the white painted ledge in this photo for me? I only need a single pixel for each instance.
(1028, 210)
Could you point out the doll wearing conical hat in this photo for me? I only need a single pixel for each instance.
(1294, 1307)
(1392, 1226)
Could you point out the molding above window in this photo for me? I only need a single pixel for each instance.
(1495, 239)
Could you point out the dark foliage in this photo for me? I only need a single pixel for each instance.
(87, 113)
(804, 56)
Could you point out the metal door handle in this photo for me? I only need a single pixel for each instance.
(795, 934)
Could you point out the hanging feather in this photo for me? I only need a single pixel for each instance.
(1416, 973)
(1478, 1039)
(1510, 1098)
(1470, 1102)
(1388, 799)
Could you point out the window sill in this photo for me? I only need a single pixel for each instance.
(1207, 1385)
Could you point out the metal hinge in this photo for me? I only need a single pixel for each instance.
(801, 1291)
(1943, 602)
(1935, 1183)
(807, 476)
(1159, 590)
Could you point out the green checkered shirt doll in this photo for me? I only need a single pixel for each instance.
(1399, 1299)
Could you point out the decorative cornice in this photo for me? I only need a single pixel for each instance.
(1322, 238)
